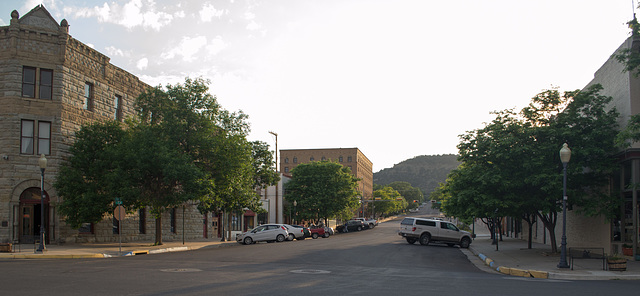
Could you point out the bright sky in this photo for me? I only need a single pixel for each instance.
(395, 78)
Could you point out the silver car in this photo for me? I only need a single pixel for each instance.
(267, 232)
(295, 232)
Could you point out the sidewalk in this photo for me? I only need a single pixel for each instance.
(103, 250)
(514, 258)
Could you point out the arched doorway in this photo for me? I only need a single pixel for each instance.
(30, 215)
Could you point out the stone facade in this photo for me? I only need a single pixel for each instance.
(43, 76)
(361, 167)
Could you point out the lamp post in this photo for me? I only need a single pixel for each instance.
(295, 213)
(42, 162)
(276, 135)
(565, 156)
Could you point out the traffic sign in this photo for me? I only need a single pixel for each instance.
(119, 213)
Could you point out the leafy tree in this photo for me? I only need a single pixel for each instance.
(322, 190)
(409, 193)
(388, 202)
(512, 167)
(180, 146)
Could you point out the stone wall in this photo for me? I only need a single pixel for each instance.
(36, 40)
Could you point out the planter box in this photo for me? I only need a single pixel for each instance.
(6, 247)
(617, 264)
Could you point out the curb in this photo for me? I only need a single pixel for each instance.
(514, 271)
(510, 271)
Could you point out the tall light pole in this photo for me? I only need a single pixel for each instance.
(565, 156)
(275, 134)
(42, 162)
(295, 204)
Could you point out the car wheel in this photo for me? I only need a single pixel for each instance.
(411, 240)
(248, 241)
(280, 238)
(465, 242)
(326, 235)
(291, 237)
(425, 239)
(314, 236)
(359, 228)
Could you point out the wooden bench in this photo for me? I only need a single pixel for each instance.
(587, 253)
(6, 247)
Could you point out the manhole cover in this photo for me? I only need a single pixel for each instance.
(180, 270)
(310, 271)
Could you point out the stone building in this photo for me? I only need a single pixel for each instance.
(50, 85)
(361, 167)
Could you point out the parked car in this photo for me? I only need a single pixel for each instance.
(368, 223)
(267, 232)
(318, 231)
(295, 232)
(430, 230)
(351, 225)
(329, 230)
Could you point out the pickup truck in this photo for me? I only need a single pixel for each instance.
(426, 231)
(368, 223)
(318, 231)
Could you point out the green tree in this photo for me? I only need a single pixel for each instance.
(409, 193)
(388, 201)
(180, 146)
(511, 166)
(322, 190)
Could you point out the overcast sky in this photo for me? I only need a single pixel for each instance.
(395, 78)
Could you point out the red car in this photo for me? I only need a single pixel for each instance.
(317, 231)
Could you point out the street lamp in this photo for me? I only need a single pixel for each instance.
(42, 162)
(565, 156)
(276, 135)
(295, 213)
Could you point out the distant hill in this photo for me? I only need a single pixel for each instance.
(424, 172)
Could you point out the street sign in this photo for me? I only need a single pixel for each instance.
(118, 201)
(119, 213)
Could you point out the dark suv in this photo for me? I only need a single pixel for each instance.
(351, 225)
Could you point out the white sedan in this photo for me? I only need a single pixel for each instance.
(267, 232)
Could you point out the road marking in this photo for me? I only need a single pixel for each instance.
(310, 271)
(181, 270)
(519, 278)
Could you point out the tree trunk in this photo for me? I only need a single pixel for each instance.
(228, 226)
(549, 223)
(158, 230)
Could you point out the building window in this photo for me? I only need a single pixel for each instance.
(295, 160)
(29, 82)
(44, 137)
(311, 159)
(142, 219)
(349, 159)
(172, 217)
(235, 222)
(324, 158)
(286, 169)
(88, 96)
(27, 137)
(117, 104)
(340, 159)
(286, 160)
(86, 228)
(46, 82)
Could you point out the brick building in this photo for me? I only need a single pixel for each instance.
(361, 167)
(50, 85)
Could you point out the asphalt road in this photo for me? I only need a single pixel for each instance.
(371, 262)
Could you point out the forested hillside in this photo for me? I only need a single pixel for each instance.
(424, 172)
